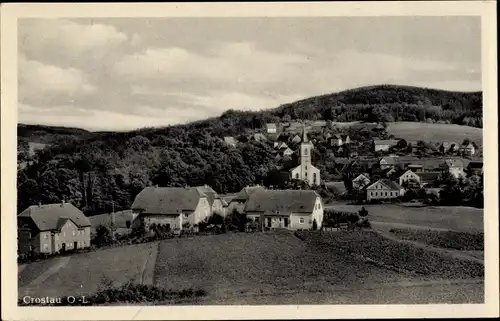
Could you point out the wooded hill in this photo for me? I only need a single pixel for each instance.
(99, 169)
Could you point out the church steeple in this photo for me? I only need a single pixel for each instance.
(304, 134)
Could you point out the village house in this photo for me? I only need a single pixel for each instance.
(119, 223)
(231, 141)
(282, 145)
(428, 178)
(170, 207)
(467, 149)
(215, 201)
(339, 140)
(387, 162)
(361, 181)
(475, 168)
(286, 152)
(306, 171)
(296, 139)
(287, 209)
(409, 178)
(52, 228)
(384, 144)
(454, 166)
(237, 202)
(258, 137)
(384, 189)
(271, 128)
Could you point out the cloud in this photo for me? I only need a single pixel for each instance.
(236, 62)
(44, 84)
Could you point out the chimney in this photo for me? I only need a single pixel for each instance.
(39, 204)
(63, 201)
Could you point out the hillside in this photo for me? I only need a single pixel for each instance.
(96, 170)
(390, 103)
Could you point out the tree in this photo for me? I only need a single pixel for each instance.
(315, 225)
(363, 212)
(103, 235)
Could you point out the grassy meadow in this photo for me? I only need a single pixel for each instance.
(413, 131)
(455, 218)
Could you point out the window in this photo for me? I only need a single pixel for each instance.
(305, 174)
(45, 247)
(297, 176)
(74, 232)
(306, 167)
(56, 236)
(64, 233)
(305, 151)
(315, 181)
(185, 215)
(83, 232)
(46, 236)
(301, 220)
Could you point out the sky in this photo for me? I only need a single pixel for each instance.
(128, 73)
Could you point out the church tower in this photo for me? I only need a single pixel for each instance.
(305, 156)
(305, 170)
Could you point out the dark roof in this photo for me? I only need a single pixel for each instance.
(284, 201)
(47, 217)
(167, 200)
(389, 184)
(474, 164)
(428, 177)
(209, 192)
(245, 192)
(391, 160)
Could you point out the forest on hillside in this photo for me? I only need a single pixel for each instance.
(389, 103)
(101, 170)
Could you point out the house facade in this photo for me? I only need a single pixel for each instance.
(468, 149)
(215, 201)
(271, 128)
(384, 189)
(306, 171)
(170, 207)
(52, 228)
(285, 209)
(409, 178)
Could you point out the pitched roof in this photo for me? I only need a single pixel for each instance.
(388, 183)
(475, 164)
(428, 177)
(245, 192)
(366, 175)
(209, 192)
(46, 217)
(389, 160)
(284, 201)
(167, 200)
(271, 126)
(121, 219)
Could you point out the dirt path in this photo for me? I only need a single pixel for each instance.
(33, 285)
(456, 254)
(148, 269)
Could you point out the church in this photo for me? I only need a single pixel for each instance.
(305, 170)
